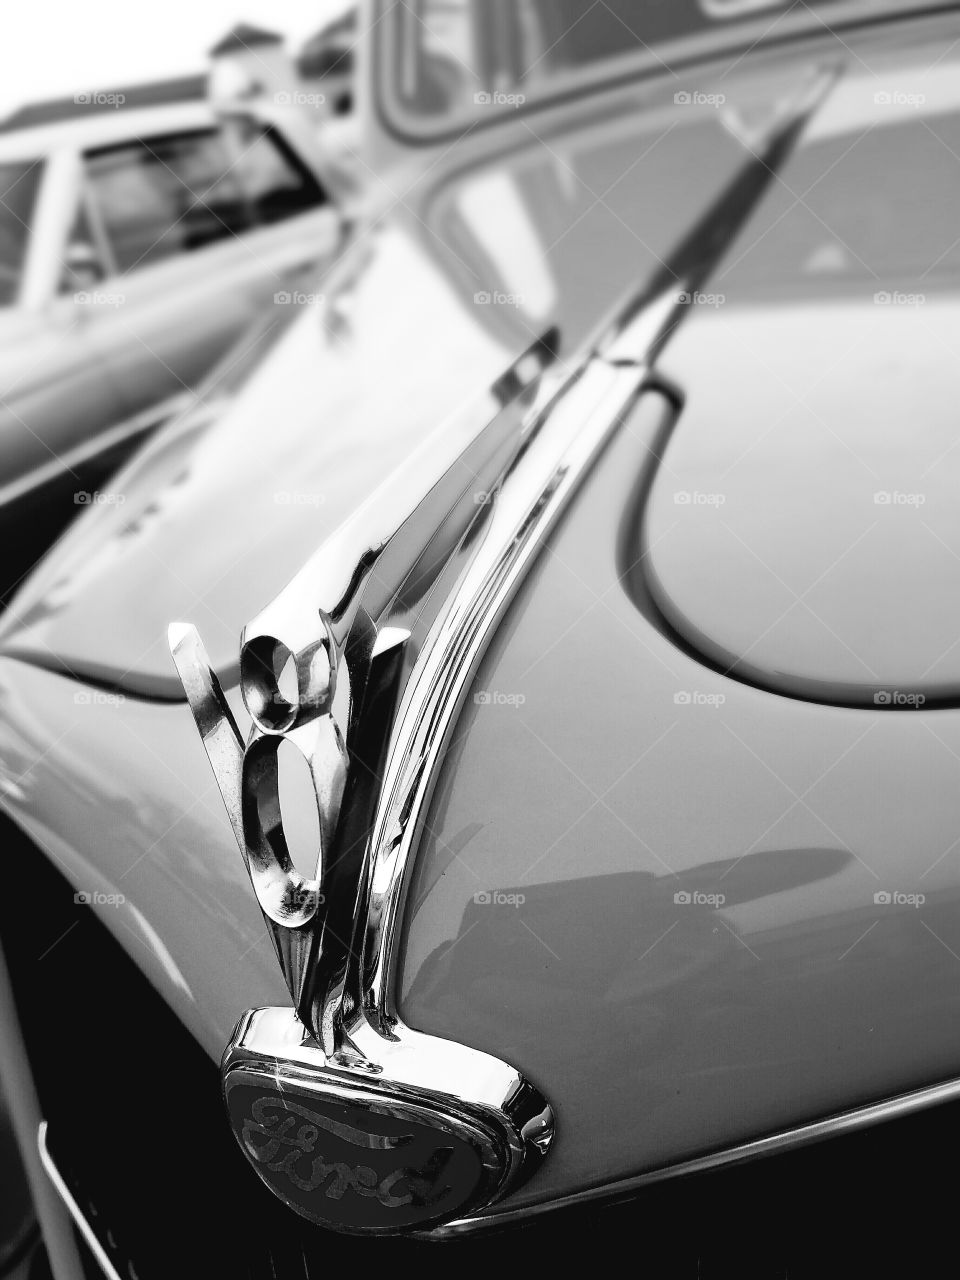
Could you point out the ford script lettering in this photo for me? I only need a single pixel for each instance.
(289, 1147)
(368, 1163)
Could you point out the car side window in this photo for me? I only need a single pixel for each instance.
(276, 182)
(19, 186)
(163, 196)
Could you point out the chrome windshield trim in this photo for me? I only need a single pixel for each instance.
(805, 1135)
(76, 1213)
(531, 497)
(723, 9)
(713, 50)
(563, 439)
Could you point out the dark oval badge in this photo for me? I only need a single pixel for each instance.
(359, 1159)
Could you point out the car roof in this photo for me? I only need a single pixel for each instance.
(102, 128)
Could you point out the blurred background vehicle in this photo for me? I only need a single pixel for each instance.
(142, 231)
(134, 249)
(20, 1245)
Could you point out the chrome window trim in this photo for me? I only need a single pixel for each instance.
(721, 9)
(772, 26)
(42, 245)
(95, 220)
(76, 1213)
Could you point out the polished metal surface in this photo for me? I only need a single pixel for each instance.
(401, 1138)
(731, 8)
(471, 1119)
(76, 1213)
(379, 569)
(776, 1144)
(22, 1105)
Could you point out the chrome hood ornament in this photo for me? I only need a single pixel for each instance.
(355, 1120)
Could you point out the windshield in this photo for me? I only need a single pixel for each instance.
(451, 61)
(19, 183)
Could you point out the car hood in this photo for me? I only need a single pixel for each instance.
(432, 302)
(12, 321)
(225, 503)
(18, 329)
(803, 531)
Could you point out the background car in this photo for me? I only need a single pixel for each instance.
(136, 246)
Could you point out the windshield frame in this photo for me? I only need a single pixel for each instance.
(37, 165)
(744, 30)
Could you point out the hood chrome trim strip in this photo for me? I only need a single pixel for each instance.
(844, 1122)
(76, 1213)
(562, 441)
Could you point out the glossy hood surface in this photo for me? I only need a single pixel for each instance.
(803, 529)
(691, 909)
(224, 506)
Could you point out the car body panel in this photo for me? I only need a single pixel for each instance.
(782, 990)
(802, 532)
(296, 483)
(317, 447)
(47, 362)
(806, 549)
(700, 955)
